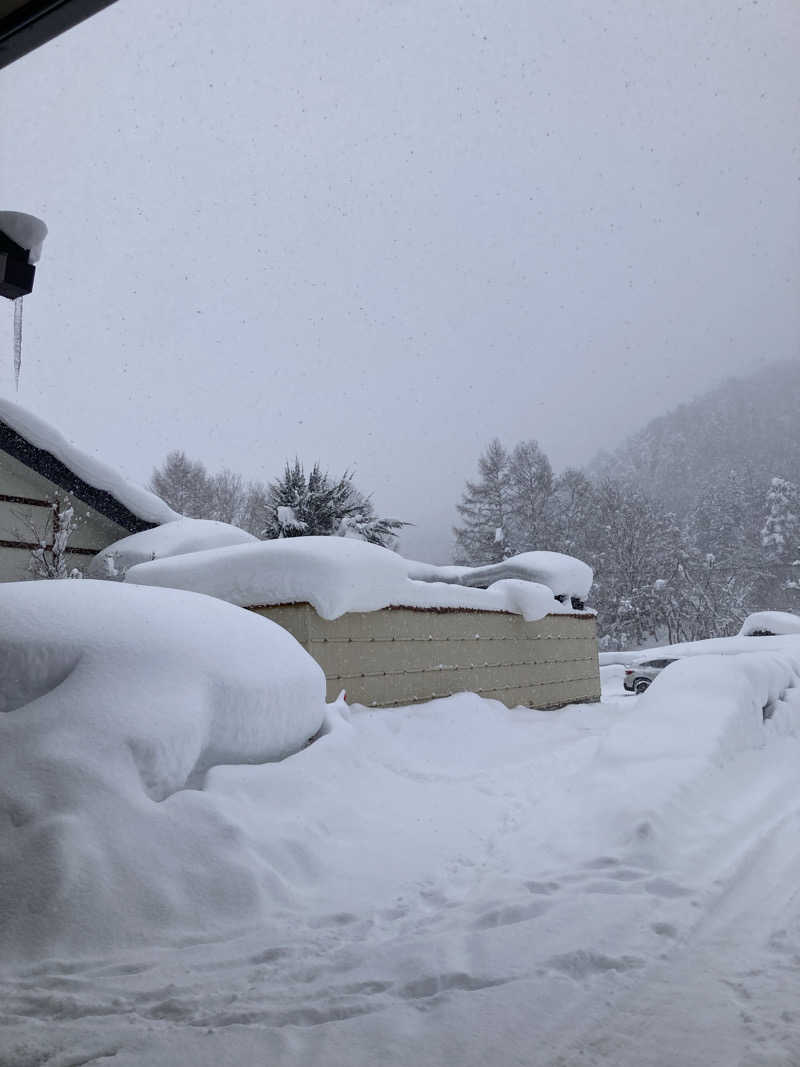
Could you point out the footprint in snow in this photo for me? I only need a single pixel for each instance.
(665, 887)
(582, 963)
(511, 914)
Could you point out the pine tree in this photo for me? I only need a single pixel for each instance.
(530, 497)
(486, 535)
(298, 505)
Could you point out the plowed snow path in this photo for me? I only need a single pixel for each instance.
(468, 885)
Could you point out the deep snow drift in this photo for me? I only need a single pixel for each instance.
(337, 575)
(116, 701)
(178, 538)
(456, 882)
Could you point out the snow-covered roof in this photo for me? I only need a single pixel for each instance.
(339, 575)
(44, 449)
(178, 538)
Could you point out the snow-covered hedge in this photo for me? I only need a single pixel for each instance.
(117, 700)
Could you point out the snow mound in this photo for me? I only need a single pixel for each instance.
(178, 538)
(138, 500)
(699, 714)
(117, 701)
(771, 623)
(710, 646)
(336, 575)
(565, 575)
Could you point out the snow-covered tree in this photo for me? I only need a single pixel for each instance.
(191, 490)
(300, 505)
(574, 514)
(485, 509)
(183, 484)
(530, 497)
(780, 533)
(636, 548)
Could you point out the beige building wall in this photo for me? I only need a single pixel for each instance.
(24, 495)
(403, 656)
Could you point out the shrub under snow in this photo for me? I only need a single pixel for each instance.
(117, 700)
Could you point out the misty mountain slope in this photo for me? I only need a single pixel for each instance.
(749, 426)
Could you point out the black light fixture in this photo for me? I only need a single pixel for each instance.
(21, 239)
(16, 273)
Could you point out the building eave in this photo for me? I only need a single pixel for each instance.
(50, 467)
(27, 24)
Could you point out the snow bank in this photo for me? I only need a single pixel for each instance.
(141, 502)
(699, 714)
(117, 700)
(711, 646)
(565, 575)
(178, 538)
(770, 622)
(336, 575)
(451, 882)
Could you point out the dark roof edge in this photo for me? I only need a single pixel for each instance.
(46, 464)
(35, 23)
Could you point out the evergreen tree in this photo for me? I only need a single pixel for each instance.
(299, 505)
(486, 534)
(530, 497)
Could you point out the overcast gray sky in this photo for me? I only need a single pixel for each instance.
(380, 233)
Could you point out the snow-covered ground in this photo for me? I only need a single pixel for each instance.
(614, 884)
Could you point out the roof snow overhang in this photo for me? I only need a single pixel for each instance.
(48, 466)
(27, 24)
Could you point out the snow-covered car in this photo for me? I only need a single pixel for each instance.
(639, 676)
(770, 624)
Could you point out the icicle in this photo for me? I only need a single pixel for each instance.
(17, 339)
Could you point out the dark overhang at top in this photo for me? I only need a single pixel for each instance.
(50, 467)
(26, 24)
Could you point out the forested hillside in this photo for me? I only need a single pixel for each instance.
(742, 433)
(690, 525)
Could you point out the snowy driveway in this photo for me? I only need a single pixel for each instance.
(457, 883)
